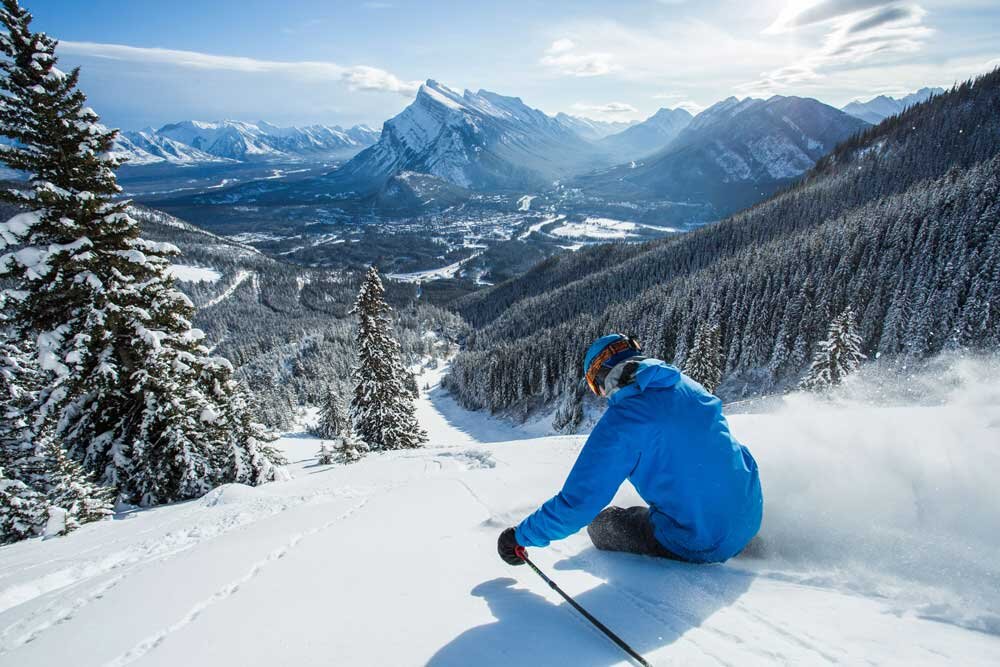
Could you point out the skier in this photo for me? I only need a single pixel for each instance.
(663, 432)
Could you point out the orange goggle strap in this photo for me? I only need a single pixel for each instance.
(611, 350)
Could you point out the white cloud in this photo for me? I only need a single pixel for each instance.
(561, 46)
(611, 108)
(798, 14)
(564, 58)
(858, 32)
(357, 77)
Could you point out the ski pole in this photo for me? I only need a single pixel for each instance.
(523, 555)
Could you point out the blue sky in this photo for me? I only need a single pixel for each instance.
(149, 62)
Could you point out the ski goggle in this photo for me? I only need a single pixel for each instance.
(597, 372)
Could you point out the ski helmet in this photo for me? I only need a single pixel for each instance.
(604, 354)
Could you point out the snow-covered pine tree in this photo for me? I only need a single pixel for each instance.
(333, 421)
(39, 481)
(704, 360)
(838, 356)
(410, 382)
(349, 449)
(250, 455)
(125, 388)
(325, 456)
(382, 410)
(23, 512)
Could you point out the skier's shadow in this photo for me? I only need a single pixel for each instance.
(648, 602)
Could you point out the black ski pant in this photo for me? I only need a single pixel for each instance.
(628, 530)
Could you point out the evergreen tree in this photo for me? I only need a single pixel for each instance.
(128, 388)
(704, 360)
(333, 420)
(38, 480)
(325, 455)
(349, 449)
(838, 356)
(23, 512)
(410, 383)
(382, 410)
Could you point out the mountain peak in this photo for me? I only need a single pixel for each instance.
(882, 106)
(476, 140)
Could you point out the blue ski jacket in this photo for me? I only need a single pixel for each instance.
(667, 435)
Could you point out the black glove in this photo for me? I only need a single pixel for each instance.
(507, 547)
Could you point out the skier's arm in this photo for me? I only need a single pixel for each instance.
(604, 462)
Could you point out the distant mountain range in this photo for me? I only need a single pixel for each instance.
(647, 137)
(478, 141)
(592, 130)
(732, 154)
(877, 109)
(447, 145)
(194, 141)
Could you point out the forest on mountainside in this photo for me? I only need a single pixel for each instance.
(900, 224)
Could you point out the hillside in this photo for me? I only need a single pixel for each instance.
(285, 327)
(647, 137)
(408, 540)
(731, 155)
(899, 223)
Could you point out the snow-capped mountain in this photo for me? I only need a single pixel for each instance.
(196, 141)
(879, 108)
(146, 147)
(735, 152)
(648, 136)
(479, 141)
(590, 129)
(239, 140)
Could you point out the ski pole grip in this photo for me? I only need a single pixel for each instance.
(520, 552)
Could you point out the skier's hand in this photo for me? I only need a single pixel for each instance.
(507, 547)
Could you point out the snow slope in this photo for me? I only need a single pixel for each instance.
(193, 274)
(392, 561)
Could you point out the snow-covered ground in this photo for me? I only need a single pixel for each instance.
(604, 229)
(193, 274)
(596, 228)
(880, 547)
(239, 279)
(442, 273)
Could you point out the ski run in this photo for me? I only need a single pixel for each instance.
(871, 555)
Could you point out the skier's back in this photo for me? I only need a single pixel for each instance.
(667, 435)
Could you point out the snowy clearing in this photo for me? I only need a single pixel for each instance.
(596, 228)
(879, 548)
(524, 203)
(537, 227)
(442, 273)
(193, 274)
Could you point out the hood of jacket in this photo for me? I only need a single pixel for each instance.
(650, 374)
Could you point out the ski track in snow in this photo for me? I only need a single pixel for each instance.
(241, 277)
(325, 564)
